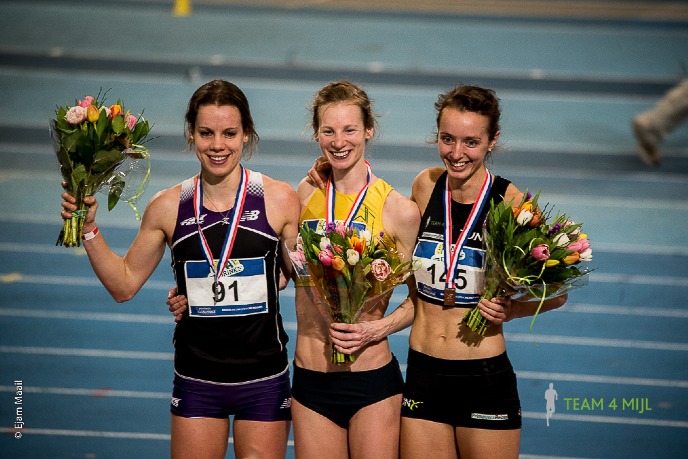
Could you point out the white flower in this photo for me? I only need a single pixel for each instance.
(524, 217)
(561, 240)
(586, 255)
(571, 223)
(325, 243)
(352, 256)
(365, 234)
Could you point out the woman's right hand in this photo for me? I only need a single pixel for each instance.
(69, 206)
(320, 172)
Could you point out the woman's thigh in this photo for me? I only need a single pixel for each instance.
(374, 430)
(266, 440)
(199, 437)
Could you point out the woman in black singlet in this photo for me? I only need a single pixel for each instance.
(460, 397)
(226, 229)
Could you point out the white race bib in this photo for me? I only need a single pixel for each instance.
(430, 277)
(241, 289)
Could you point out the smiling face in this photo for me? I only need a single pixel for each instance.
(463, 142)
(219, 139)
(342, 135)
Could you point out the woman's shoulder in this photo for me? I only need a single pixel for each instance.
(401, 209)
(279, 187)
(424, 183)
(428, 178)
(167, 197)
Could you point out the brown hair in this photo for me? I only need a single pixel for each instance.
(342, 91)
(221, 92)
(471, 99)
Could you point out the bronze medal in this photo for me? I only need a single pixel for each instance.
(449, 297)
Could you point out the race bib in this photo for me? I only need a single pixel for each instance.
(241, 289)
(431, 278)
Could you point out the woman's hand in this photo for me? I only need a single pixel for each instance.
(69, 206)
(497, 310)
(320, 172)
(350, 338)
(178, 304)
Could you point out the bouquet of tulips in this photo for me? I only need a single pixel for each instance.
(348, 270)
(98, 149)
(530, 256)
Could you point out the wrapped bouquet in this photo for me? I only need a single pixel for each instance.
(98, 149)
(348, 271)
(530, 256)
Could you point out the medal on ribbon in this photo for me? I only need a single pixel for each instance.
(234, 219)
(451, 257)
(331, 195)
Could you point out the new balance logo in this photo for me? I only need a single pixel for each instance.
(175, 402)
(192, 221)
(286, 403)
(250, 215)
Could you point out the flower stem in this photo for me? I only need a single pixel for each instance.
(476, 322)
(70, 235)
(339, 359)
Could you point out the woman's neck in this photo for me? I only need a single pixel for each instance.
(467, 191)
(351, 180)
(221, 191)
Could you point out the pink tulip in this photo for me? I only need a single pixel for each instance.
(297, 258)
(340, 229)
(326, 257)
(541, 252)
(130, 121)
(579, 245)
(85, 102)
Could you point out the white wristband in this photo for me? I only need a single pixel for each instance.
(90, 235)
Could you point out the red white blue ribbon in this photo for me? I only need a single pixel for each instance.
(234, 219)
(331, 195)
(451, 257)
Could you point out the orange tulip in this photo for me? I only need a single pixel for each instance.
(356, 243)
(338, 263)
(115, 110)
(535, 221)
(571, 259)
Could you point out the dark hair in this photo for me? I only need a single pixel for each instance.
(342, 91)
(472, 99)
(221, 92)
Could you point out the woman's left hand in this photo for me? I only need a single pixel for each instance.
(497, 310)
(178, 304)
(350, 338)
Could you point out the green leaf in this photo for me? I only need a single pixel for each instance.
(69, 140)
(141, 130)
(105, 159)
(118, 124)
(116, 188)
(102, 123)
(79, 173)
